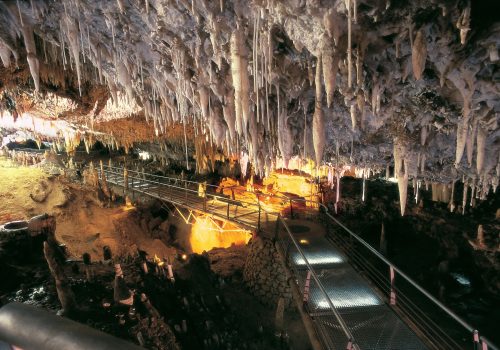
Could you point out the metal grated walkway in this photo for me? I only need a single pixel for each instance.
(373, 324)
(346, 290)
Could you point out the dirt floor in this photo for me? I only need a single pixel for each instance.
(85, 224)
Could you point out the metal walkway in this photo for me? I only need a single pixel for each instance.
(355, 298)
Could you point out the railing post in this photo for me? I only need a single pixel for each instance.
(276, 230)
(228, 210)
(258, 224)
(291, 209)
(307, 284)
(132, 188)
(475, 335)
(392, 297)
(125, 180)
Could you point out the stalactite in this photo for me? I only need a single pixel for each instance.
(360, 99)
(285, 137)
(463, 24)
(464, 197)
(471, 138)
(318, 126)
(452, 197)
(5, 55)
(481, 149)
(330, 67)
(461, 140)
(229, 114)
(29, 43)
(240, 80)
(419, 54)
(72, 34)
(403, 191)
(349, 44)
(353, 116)
(423, 135)
(364, 187)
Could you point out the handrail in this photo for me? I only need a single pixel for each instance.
(187, 190)
(323, 208)
(449, 312)
(161, 176)
(339, 318)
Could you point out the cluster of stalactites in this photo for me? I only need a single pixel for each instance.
(409, 164)
(227, 99)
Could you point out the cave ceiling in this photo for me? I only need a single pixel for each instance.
(370, 83)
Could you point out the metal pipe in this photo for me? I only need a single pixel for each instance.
(30, 327)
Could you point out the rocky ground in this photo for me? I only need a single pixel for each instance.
(209, 306)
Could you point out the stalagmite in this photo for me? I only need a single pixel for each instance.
(480, 235)
(63, 287)
(318, 125)
(419, 54)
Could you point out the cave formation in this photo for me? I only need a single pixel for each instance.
(395, 91)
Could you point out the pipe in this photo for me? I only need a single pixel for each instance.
(29, 327)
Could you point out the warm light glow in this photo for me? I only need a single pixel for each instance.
(158, 261)
(49, 128)
(207, 234)
(304, 241)
(184, 257)
(143, 155)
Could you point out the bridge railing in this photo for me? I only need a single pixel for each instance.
(181, 192)
(329, 325)
(437, 324)
(434, 322)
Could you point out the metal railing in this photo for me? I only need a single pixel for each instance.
(435, 323)
(191, 195)
(308, 281)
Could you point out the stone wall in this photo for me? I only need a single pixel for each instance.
(264, 273)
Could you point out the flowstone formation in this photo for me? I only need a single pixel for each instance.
(369, 83)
